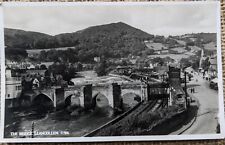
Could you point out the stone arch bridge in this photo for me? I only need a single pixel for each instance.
(86, 94)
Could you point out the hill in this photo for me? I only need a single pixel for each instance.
(15, 38)
(198, 38)
(114, 40)
(17, 41)
(110, 40)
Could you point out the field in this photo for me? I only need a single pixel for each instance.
(176, 57)
(179, 49)
(210, 46)
(155, 46)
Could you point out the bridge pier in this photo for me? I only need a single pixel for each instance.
(170, 97)
(116, 95)
(54, 99)
(87, 94)
(144, 92)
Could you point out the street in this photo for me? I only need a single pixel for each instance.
(206, 121)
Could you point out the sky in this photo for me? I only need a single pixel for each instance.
(157, 19)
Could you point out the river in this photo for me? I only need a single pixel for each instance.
(59, 121)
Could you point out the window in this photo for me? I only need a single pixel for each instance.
(18, 87)
(8, 95)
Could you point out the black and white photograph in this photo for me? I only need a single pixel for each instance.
(112, 71)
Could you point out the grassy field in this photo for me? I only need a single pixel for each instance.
(179, 49)
(210, 46)
(176, 57)
(155, 46)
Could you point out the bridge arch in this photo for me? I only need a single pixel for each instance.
(72, 100)
(43, 94)
(130, 97)
(42, 100)
(100, 100)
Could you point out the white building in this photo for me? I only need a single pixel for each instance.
(13, 86)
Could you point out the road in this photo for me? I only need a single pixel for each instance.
(206, 121)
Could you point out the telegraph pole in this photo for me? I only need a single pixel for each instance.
(185, 86)
(32, 130)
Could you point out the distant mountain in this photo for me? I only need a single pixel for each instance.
(204, 37)
(17, 41)
(113, 40)
(15, 38)
(103, 32)
(207, 37)
(34, 40)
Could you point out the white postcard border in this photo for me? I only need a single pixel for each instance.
(114, 138)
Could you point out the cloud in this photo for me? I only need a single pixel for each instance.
(155, 19)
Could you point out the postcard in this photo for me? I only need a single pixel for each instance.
(111, 71)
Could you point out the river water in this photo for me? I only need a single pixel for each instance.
(59, 121)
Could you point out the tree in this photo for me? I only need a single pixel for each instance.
(158, 60)
(79, 66)
(43, 67)
(43, 55)
(101, 68)
(206, 64)
(57, 68)
(124, 63)
(15, 54)
(67, 72)
(168, 59)
(187, 48)
(185, 62)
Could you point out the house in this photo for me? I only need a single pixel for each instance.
(189, 70)
(162, 71)
(47, 64)
(36, 72)
(8, 73)
(123, 69)
(13, 86)
(133, 61)
(162, 51)
(9, 63)
(97, 59)
(213, 67)
(31, 66)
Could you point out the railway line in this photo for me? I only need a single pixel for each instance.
(144, 107)
(150, 106)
